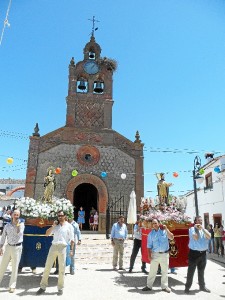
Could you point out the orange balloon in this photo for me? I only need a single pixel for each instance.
(9, 160)
(175, 174)
(57, 170)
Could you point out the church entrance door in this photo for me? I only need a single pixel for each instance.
(89, 190)
(85, 195)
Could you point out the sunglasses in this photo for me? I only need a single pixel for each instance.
(61, 216)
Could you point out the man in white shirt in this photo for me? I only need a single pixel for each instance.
(63, 235)
(13, 232)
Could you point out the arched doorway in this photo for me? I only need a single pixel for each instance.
(85, 195)
(102, 194)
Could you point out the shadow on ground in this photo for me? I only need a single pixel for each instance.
(136, 283)
(26, 281)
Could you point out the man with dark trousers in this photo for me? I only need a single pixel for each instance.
(137, 246)
(198, 245)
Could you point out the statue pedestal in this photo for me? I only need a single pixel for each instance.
(181, 237)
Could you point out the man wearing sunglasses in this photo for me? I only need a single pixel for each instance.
(62, 235)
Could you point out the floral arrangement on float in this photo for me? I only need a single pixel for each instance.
(43, 212)
(172, 214)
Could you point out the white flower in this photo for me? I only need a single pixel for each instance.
(29, 207)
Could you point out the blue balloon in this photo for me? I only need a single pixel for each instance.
(103, 174)
(217, 169)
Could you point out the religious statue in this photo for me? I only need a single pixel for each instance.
(163, 189)
(49, 185)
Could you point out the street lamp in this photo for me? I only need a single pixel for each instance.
(197, 178)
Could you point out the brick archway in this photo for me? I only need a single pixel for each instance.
(94, 180)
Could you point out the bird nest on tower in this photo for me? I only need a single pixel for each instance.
(110, 63)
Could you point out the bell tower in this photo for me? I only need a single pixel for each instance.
(98, 164)
(89, 100)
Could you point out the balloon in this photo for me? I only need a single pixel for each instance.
(57, 170)
(74, 173)
(103, 174)
(123, 176)
(201, 171)
(217, 169)
(175, 174)
(9, 160)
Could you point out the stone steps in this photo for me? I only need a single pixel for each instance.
(96, 249)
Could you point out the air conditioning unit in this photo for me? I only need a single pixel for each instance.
(222, 163)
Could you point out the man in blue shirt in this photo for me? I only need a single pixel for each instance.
(158, 252)
(118, 236)
(77, 237)
(198, 244)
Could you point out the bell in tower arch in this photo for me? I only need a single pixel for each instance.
(82, 85)
(98, 87)
(91, 55)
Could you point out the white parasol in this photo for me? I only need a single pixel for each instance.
(132, 210)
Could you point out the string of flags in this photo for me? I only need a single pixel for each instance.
(104, 174)
(17, 135)
(6, 22)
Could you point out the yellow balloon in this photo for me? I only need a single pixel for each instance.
(9, 160)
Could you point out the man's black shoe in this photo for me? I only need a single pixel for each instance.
(158, 273)
(146, 288)
(56, 272)
(144, 271)
(204, 289)
(186, 291)
(130, 271)
(60, 292)
(40, 291)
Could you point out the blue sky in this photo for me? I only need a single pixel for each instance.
(169, 84)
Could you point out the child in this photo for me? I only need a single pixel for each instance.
(95, 221)
(91, 222)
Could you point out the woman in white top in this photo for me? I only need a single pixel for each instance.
(95, 221)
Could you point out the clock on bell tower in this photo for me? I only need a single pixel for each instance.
(89, 100)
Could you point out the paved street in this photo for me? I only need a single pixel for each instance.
(94, 278)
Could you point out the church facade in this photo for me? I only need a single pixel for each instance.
(90, 154)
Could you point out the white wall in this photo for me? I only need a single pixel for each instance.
(209, 201)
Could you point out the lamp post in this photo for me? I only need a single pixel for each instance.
(198, 178)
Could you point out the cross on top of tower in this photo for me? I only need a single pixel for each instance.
(93, 20)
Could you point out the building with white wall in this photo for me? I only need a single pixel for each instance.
(211, 193)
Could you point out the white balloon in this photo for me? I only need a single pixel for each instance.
(123, 176)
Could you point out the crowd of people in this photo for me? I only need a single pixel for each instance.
(158, 251)
(66, 234)
(5, 216)
(93, 219)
